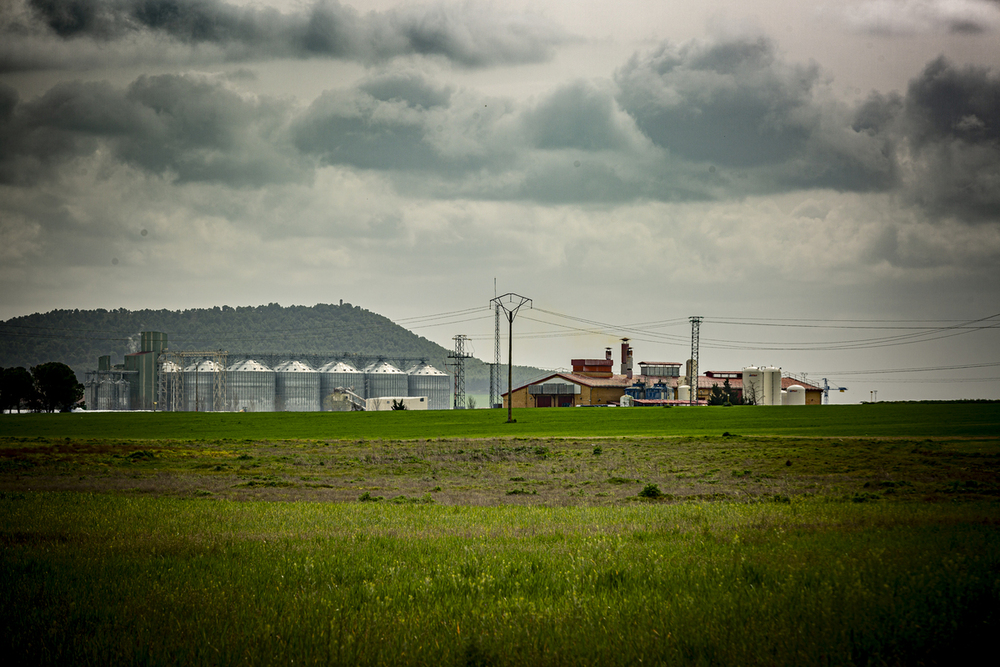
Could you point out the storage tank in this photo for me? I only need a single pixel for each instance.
(684, 393)
(199, 386)
(170, 397)
(772, 385)
(753, 386)
(296, 387)
(251, 387)
(339, 374)
(425, 380)
(383, 379)
(796, 395)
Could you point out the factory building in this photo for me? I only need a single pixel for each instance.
(594, 383)
(158, 378)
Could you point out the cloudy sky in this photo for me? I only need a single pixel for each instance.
(820, 181)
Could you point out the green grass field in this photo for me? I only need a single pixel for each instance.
(882, 420)
(834, 535)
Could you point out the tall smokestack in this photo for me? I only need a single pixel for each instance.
(626, 359)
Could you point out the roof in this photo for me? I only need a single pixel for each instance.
(584, 380)
(659, 363)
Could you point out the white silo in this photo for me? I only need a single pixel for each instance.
(684, 393)
(199, 386)
(296, 387)
(753, 386)
(251, 387)
(796, 395)
(771, 380)
(340, 375)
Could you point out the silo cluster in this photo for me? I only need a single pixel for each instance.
(108, 393)
(762, 386)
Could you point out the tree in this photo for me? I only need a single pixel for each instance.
(16, 388)
(57, 386)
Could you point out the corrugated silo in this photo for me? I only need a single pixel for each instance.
(771, 380)
(383, 379)
(250, 387)
(297, 387)
(796, 395)
(425, 380)
(339, 374)
(199, 386)
(171, 396)
(753, 386)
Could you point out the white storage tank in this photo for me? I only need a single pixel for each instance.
(297, 387)
(425, 380)
(339, 375)
(684, 393)
(199, 386)
(753, 386)
(796, 395)
(772, 385)
(383, 379)
(251, 387)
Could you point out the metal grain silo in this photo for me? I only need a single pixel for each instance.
(425, 380)
(170, 397)
(339, 375)
(296, 387)
(199, 386)
(250, 387)
(382, 379)
(771, 380)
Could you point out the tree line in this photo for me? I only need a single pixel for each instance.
(48, 387)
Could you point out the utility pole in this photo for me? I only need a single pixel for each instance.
(510, 303)
(695, 334)
(459, 356)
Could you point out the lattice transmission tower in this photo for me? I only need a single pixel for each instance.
(695, 333)
(495, 375)
(459, 356)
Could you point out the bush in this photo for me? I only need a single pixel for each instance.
(651, 491)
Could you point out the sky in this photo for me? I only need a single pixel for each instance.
(818, 181)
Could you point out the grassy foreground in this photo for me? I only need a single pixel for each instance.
(99, 579)
(803, 536)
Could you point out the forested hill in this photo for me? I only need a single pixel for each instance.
(78, 337)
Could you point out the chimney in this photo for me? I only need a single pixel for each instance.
(626, 359)
(607, 353)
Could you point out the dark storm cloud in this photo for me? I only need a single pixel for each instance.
(736, 104)
(576, 116)
(952, 120)
(465, 34)
(191, 128)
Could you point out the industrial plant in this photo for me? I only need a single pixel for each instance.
(158, 378)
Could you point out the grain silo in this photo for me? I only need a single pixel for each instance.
(199, 386)
(382, 379)
(296, 387)
(425, 380)
(171, 392)
(250, 387)
(339, 375)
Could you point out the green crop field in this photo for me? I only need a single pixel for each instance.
(883, 419)
(834, 535)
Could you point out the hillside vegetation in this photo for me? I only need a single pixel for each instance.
(78, 337)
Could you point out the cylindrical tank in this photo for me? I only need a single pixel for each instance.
(250, 387)
(121, 395)
(425, 380)
(172, 383)
(339, 374)
(684, 393)
(772, 385)
(796, 395)
(297, 387)
(753, 386)
(199, 386)
(383, 379)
